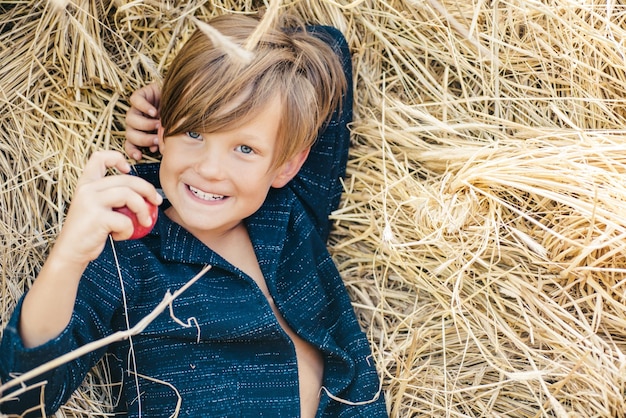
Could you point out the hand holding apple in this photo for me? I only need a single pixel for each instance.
(139, 230)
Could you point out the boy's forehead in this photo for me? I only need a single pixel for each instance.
(229, 107)
(246, 110)
(272, 105)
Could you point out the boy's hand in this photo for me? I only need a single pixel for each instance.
(91, 217)
(48, 305)
(142, 121)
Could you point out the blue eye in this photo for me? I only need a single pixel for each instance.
(244, 149)
(194, 135)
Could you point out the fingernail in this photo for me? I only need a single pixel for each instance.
(155, 140)
(152, 112)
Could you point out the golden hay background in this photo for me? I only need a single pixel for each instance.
(483, 229)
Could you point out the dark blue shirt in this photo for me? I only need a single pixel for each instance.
(220, 351)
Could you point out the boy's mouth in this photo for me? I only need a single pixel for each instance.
(205, 196)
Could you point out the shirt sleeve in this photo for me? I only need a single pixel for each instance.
(318, 184)
(54, 386)
(97, 301)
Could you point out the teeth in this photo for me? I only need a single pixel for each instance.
(205, 196)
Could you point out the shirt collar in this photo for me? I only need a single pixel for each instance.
(269, 229)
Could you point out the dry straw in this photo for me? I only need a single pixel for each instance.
(482, 231)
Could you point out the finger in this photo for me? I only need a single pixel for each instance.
(146, 99)
(124, 190)
(144, 210)
(143, 100)
(137, 139)
(120, 226)
(140, 132)
(136, 120)
(132, 151)
(83, 237)
(100, 161)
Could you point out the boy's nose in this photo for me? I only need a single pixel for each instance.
(210, 165)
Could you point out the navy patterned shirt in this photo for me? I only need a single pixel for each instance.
(220, 350)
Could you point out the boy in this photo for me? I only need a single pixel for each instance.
(272, 331)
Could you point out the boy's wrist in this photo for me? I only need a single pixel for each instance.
(64, 257)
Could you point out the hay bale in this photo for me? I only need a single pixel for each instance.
(481, 234)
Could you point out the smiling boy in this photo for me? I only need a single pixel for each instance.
(213, 182)
(269, 330)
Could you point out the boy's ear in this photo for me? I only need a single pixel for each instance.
(160, 132)
(290, 168)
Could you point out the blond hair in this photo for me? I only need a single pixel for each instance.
(204, 82)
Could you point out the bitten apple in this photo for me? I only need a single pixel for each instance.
(140, 231)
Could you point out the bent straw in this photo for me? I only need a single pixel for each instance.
(103, 342)
(235, 51)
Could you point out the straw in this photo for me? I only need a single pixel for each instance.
(481, 233)
(223, 42)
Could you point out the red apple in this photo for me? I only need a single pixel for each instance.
(140, 231)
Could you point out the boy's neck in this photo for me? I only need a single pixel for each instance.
(230, 244)
(223, 242)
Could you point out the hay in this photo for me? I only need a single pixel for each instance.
(481, 234)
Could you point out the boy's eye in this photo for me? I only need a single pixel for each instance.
(244, 149)
(194, 135)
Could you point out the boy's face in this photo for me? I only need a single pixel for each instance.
(214, 181)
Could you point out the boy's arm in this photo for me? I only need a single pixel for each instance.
(48, 305)
(318, 184)
(38, 330)
(100, 297)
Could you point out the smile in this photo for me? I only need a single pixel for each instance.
(205, 196)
